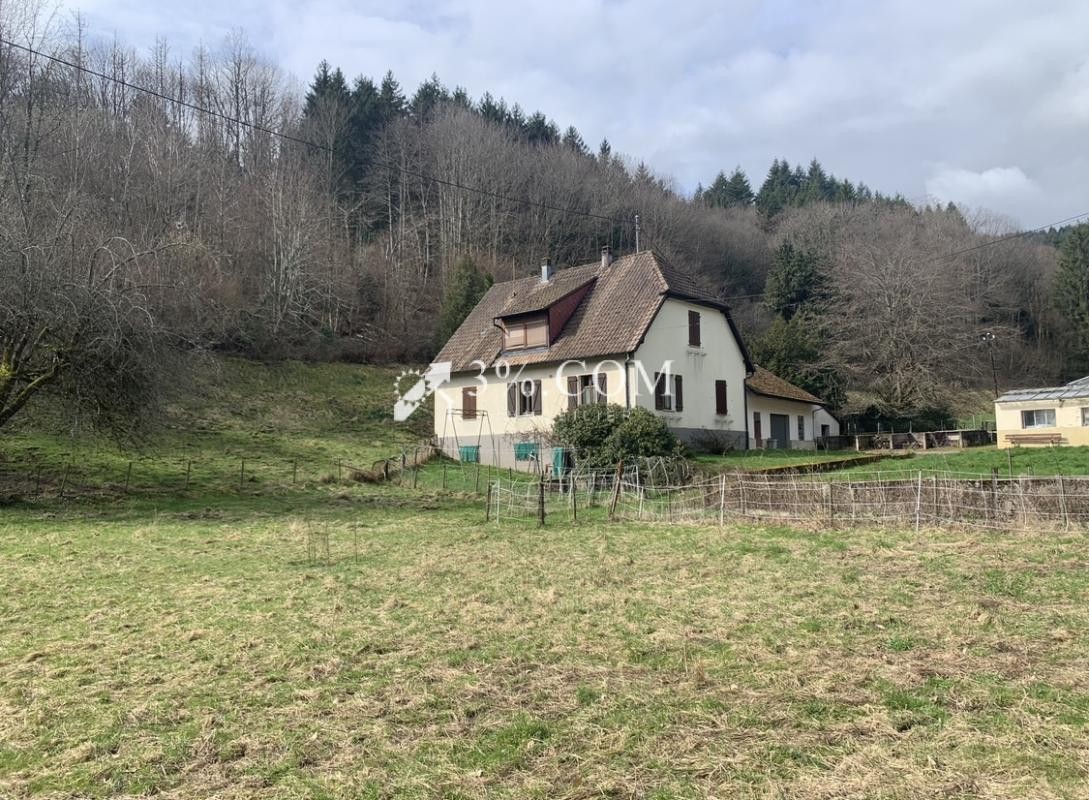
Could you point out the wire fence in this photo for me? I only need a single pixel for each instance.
(1034, 504)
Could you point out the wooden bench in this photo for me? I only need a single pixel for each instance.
(1034, 438)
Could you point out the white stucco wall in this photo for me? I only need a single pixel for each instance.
(497, 431)
(1067, 420)
(717, 358)
(813, 416)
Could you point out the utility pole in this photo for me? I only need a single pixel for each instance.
(989, 338)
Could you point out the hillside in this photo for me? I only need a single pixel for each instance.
(288, 421)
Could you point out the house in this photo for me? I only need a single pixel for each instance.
(784, 416)
(1049, 416)
(632, 331)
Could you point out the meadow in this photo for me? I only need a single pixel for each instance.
(328, 638)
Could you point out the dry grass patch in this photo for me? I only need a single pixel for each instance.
(428, 655)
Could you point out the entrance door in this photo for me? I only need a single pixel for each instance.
(780, 429)
(756, 432)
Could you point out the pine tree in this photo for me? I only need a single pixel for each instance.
(390, 97)
(794, 280)
(604, 152)
(738, 190)
(1072, 287)
(493, 111)
(572, 139)
(794, 350)
(464, 288)
(428, 97)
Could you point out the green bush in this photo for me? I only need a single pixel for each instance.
(602, 435)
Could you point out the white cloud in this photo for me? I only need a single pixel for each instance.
(992, 188)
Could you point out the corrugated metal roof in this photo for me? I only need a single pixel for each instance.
(1072, 391)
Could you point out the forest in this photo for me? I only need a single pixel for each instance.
(154, 207)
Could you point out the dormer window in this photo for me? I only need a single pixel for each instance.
(521, 334)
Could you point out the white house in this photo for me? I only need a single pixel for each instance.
(1055, 415)
(631, 331)
(784, 416)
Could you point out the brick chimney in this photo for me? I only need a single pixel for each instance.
(547, 270)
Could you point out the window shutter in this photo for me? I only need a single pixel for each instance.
(537, 398)
(693, 329)
(468, 402)
(572, 392)
(659, 391)
(602, 388)
(720, 397)
(678, 400)
(512, 399)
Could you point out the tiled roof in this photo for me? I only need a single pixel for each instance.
(611, 319)
(767, 383)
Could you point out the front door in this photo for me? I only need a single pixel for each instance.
(757, 434)
(780, 429)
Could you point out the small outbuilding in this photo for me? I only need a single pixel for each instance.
(1057, 415)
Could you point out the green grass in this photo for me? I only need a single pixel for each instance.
(328, 638)
(196, 650)
(289, 422)
(980, 461)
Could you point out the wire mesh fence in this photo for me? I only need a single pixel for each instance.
(990, 502)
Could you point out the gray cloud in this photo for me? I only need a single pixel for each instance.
(980, 102)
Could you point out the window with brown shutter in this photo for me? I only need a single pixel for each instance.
(572, 392)
(678, 393)
(512, 399)
(602, 388)
(468, 402)
(537, 398)
(693, 329)
(721, 406)
(661, 402)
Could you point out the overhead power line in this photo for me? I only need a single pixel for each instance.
(299, 140)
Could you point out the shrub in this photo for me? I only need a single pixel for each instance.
(602, 435)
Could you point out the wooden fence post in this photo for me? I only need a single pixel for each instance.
(444, 476)
(741, 494)
(38, 480)
(241, 474)
(64, 479)
(128, 477)
(616, 489)
(488, 505)
(722, 499)
(1062, 503)
(478, 477)
(415, 474)
(918, 501)
(830, 504)
(574, 502)
(540, 503)
(188, 470)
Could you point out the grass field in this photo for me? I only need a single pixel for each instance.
(326, 638)
(194, 651)
(980, 461)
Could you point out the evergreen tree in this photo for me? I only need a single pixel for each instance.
(493, 111)
(390, 98)
(572, 139)
(464, 288)
(794, 350)
(604, 152)
(738, 190)
(794, 280)
(1072, 287)
(541, 130)
(327, 88)
(428, 97)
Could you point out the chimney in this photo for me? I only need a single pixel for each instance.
(547, 270)
(606, 256)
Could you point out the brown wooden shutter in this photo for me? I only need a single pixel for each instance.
(602, 388)
(572, 392)
(659, 391)
(512, 399)
(468, 402)
(720, 397)
(678, 399)
(537, 398)
(693, 329)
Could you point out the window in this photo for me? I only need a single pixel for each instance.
(664, 400)
(1038, 418)
(721, 404)
(524, 399)
(801, 428)
(581, 390)
(468, 402)
(524, 333)
(693, 329)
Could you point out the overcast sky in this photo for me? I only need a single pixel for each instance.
(982, 102)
